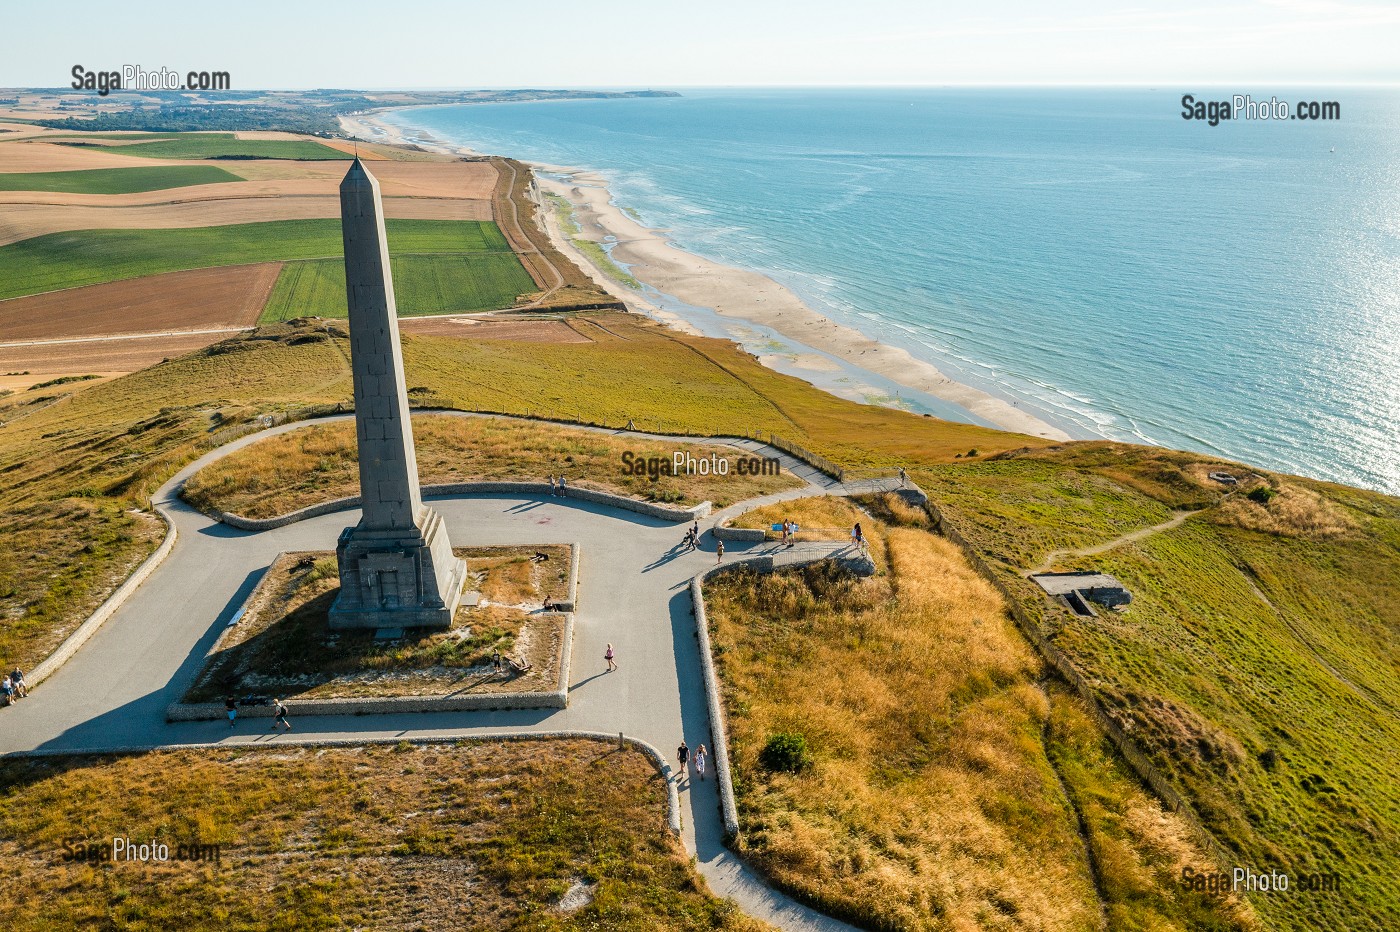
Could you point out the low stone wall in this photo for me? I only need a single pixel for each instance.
(719, 737)
(89, 627)
(650, 509)
(744, 534)
(673, 806)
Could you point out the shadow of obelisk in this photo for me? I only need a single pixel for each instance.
(397, 569)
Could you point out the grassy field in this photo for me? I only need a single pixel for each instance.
(291, 471)
(116, 180)
(283, 648)
(88, 257)
(443, 837)
(948, 787)
(210, 146)
(482, 281)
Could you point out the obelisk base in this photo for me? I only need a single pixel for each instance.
(397, 579)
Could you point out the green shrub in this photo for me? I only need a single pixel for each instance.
(787, 753)
(1262, 494)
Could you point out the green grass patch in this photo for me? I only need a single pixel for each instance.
(469, 835)
(88, 257)
(422, 285)
(116, 180)
(211, 146)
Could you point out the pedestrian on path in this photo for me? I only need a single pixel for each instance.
(683, 758)
(695, 533)
(7, 691)
(858, 538)
(551, 485)
(903, 477)
(231, 708)
(17, 681)
(700, 754)
(719, 552)
(280, 718)
(496, 662)
(561, 483)
(608, 656)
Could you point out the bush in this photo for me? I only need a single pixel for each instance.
(1262, 494)
(786, 753)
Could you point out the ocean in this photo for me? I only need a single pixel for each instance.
(1087, 253)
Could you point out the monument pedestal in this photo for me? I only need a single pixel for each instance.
(397, 579)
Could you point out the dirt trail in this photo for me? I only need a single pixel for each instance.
(1131, 537)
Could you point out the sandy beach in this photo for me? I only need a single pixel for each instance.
(733, 293)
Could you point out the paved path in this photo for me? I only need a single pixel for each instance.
(633, 592)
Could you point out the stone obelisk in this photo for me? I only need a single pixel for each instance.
(397, 569)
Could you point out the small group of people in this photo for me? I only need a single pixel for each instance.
(789, 532)
(684, 756)
(12, 687)
(557, 486)
(692, 537)
(279, 713)
(499, 663)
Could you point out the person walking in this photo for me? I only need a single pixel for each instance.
(608, 656)
(17, 681)
(280, 716)
(695, 533)
(231, 709)
(683, 758)
(700, 754)
(496, 662)
(719, 552)
(903, 477)
(858, 537)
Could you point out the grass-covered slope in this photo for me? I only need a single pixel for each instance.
(441, 837)
(88, 257)
(947, 782)
(1258, 666)
(116, 180)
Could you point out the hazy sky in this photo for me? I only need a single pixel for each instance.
(550, 43)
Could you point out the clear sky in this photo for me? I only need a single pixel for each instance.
(663, 43)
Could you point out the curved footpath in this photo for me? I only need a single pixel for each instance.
(633, 592)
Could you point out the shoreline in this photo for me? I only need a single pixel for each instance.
(738, 296)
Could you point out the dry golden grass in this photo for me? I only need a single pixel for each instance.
(932, 802)
(1295, 511)
(290, 471)
(38, 156)
(441, 838)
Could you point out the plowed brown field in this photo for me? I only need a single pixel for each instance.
(224, 297)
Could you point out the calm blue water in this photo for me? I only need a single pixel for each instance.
(1087, 253)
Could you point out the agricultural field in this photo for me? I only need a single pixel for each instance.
(232, 296)
(422, 285)
(897, 757)
(470, 835)
(116, 180)
(202, 146)
(87, 257)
